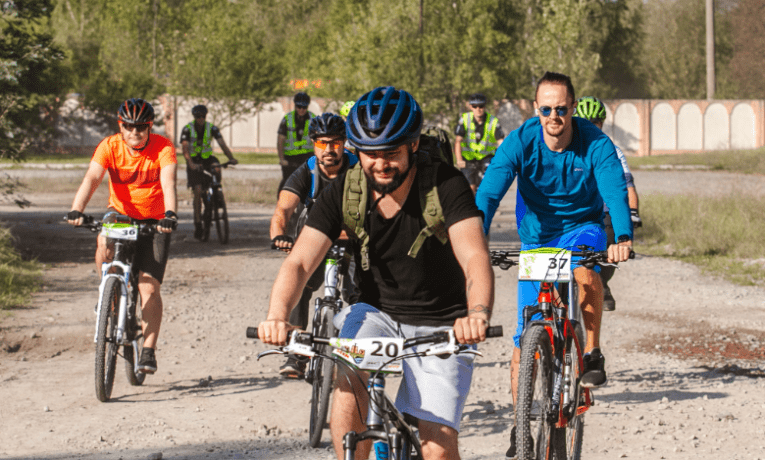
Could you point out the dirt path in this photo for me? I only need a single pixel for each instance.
(685, 357)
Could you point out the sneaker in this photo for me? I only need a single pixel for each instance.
(512, 452)
(198, 232)
(609, 304)
(148, 363)
(594, 369)
(294, 368)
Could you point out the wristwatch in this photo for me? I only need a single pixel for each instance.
(623, 239)
(171, 215)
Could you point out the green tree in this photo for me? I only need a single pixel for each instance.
(674, 54)
(748, 62)
(232, 67)
(30, 76)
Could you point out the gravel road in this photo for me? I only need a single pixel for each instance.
(685, 354)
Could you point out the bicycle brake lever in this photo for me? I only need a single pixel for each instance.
(470, 351)
(279, 351)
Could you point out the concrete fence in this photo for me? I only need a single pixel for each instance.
(639, 126)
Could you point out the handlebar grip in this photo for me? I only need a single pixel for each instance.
(632, 254)
(494, 331)
(252, 333)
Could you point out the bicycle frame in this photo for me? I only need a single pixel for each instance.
(559, 319)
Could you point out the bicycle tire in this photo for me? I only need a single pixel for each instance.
(106, 347)
(206, 216)
(322, 382)
(221, 217)
(568, 440)
(134, 378)
(535, 391)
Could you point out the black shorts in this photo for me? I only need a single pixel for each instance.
(475, 169)
(197, 177)
(151, 254)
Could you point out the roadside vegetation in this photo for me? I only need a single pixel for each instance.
(737, 161)
(18, 278)
(722, 235)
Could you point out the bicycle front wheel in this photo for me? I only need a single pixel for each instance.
(534, 429)
(221, 217)
(207, 216)
(322, 382)
(106, 346)
(568, 440)
(134, 378)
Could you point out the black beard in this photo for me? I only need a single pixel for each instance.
(395, 183)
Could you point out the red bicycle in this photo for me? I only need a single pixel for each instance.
(551, 402)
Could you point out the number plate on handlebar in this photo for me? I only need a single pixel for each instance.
(120, 231)
(545, 264)
(370, 354)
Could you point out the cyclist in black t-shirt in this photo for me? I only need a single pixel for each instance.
(445, 284)
(196, 140)
(327, 131)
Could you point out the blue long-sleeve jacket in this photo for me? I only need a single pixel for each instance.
(562, 190)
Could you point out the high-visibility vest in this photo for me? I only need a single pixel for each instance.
(205, 148)
(474, 147)
(292, 146)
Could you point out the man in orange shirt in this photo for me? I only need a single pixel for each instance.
(142, 185)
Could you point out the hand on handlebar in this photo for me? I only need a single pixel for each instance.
(470, 330)
(75, 218)
(233, 162)
(274, 331)
(620, 252)
(282, 243)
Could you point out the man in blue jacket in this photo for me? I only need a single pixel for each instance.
(566, 168)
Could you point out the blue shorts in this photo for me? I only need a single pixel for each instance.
(433, 389)
(589, 235)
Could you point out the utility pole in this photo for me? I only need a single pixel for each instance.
(710, 49)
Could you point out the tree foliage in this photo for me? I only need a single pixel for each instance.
(748, 61)
(30, 76)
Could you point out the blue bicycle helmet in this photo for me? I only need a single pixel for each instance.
(384, 119)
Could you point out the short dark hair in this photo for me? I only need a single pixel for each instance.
(557, 78)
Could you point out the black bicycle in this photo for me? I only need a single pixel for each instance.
(214, 208)
(118, 313)
(393, 435)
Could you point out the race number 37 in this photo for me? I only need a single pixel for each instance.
(545, 264)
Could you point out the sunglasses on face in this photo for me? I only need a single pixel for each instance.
(335, 144)
(140, 128)
(547, 110)
(478, 106)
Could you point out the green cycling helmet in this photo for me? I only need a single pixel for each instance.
(346, 108)
(591, 108)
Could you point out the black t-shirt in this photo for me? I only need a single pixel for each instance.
(186, 134)
(300, 181)
(299, 125)
(479, 127)
(427, 290)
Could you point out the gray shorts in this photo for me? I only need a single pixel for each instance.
(433, 389)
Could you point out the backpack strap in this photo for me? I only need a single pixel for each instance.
(355, 210)
(431, 208)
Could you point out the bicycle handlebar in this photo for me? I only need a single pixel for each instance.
(491, 332)
(589, 258)
(95, 225)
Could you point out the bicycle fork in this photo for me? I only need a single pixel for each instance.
(123, 302)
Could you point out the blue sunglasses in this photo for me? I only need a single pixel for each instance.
(560, 110)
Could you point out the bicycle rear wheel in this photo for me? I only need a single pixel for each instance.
(106, 346)
(568, 440)
(221, 217)
(135, 378)
(322, 382)
(534, 429)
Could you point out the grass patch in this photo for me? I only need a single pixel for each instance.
(248, 191)
(722, 235)
(18, 278)
(738, 161)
